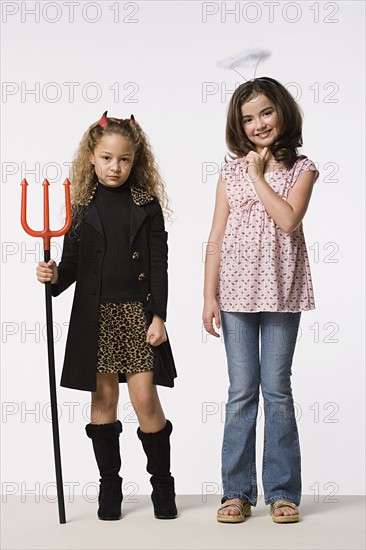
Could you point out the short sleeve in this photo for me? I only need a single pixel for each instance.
(305, 165)
(223, 171)
(231, 175)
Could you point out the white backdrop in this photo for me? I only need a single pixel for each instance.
(64, 63)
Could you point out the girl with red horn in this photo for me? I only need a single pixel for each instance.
(116, 251)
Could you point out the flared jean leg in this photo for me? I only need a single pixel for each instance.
(281, 472)
(241, 338)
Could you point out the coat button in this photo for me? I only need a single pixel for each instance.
(142, 277)
(136, 256)
(148, 297)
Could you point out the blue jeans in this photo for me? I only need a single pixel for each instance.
(271, 369)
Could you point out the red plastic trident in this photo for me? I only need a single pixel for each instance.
(46, 235)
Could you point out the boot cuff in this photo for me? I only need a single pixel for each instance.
(156, 436)
(104, 431)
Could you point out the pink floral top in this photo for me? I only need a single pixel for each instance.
(262, 268)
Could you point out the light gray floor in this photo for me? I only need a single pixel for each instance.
(31, 525)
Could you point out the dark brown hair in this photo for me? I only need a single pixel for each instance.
(284, 149)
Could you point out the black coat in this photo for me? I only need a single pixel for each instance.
(81, 261)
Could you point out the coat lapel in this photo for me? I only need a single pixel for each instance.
(92, 218)
(138, 215)
(138, 197)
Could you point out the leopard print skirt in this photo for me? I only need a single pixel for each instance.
(122, 331)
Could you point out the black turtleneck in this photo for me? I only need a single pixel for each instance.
(119, 282)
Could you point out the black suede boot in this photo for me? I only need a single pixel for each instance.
(157, 448)
(105, 438)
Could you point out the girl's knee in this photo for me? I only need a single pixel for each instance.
(143, 394)
(107, 389)
(146, 406)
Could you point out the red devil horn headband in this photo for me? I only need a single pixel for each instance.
(104, 120)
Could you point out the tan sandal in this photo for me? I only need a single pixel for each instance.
(283, 519)
(243, 507)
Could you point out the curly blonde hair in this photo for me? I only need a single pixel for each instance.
(145, 173)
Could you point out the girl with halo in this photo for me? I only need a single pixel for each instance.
(257, 283)
(116, 251)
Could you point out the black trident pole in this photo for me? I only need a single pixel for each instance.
(46, 234)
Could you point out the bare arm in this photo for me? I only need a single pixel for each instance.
(287, 214)
(212, 259)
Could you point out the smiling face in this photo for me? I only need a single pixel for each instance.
(260, 121)
(113, 159)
